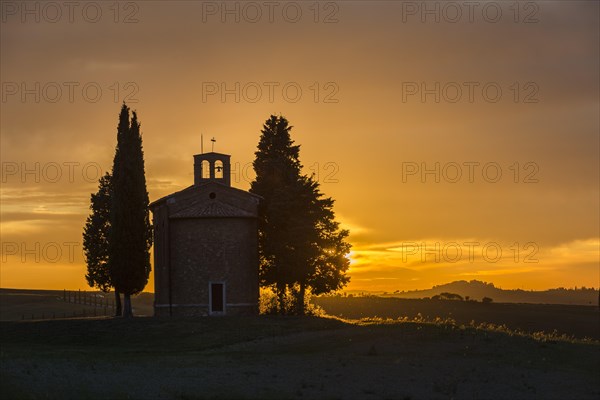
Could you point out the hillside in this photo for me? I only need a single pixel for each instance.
(476, 290)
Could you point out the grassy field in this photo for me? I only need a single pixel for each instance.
(577, 321)
(267, 357)
(19, 304)
(286, 357)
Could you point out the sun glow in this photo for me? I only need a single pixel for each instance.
(362, 114)
(350, 257)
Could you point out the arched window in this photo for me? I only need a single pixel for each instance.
(219, 169)
(205, 169)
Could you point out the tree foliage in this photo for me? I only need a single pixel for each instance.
(301, 245)
(447, 296)
(95, 237)
(130, 236)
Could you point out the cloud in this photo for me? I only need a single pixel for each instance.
(368, 133)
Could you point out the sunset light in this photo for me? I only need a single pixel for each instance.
(391, 175)
(377, 121)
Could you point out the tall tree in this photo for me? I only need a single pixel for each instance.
(324, 261)
(277, 166)
(130, 236)
(300, 244)
(95, 240)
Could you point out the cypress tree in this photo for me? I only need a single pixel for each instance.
(130, 236)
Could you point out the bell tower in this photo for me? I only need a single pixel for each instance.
(212, 167)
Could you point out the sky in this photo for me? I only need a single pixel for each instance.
(459, 140)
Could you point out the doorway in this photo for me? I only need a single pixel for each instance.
(217, 298)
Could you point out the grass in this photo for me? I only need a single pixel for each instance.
(287, 357)
(18, 304)
(271, 357)
(144, 334)
(472, 326)
(570, 320)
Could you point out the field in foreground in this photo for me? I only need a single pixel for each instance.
(275, 357)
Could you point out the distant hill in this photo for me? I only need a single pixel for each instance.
(476, 290)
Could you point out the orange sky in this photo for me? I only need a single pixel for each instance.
(378, 94)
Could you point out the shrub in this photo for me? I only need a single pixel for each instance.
(268, 303)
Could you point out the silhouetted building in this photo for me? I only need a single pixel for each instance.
(206, 245)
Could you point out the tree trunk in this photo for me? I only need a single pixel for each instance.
(300, 300)
(127, 312)
(118, 309)
(280, 299)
